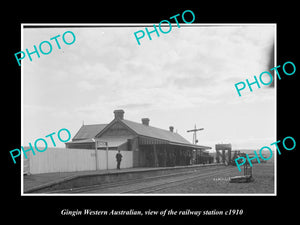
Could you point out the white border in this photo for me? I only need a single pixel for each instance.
(141, 25)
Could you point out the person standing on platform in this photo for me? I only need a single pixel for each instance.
(119, 159)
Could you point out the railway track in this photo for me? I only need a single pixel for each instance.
(174, 182)
(151, 184)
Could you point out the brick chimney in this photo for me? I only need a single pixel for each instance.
(171, 128)
(119, 114)
(145, 121)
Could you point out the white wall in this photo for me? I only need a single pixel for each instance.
(71, 160)
(127, 159)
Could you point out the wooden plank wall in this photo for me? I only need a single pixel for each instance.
(71, 160)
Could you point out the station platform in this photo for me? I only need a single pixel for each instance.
(39, 183)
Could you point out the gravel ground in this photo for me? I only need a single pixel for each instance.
(263, 183)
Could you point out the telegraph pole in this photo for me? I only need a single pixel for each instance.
(195, 130)
(195, 141)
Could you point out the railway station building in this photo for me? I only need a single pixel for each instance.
(150, 146)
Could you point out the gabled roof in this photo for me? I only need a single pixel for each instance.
(89, 131)
(155, 132)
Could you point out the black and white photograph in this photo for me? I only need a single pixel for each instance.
(144, 113)
(160, 117)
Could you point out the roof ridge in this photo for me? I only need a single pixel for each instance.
(167, 134)
(150, 126)
(95, 124)
(88, 131)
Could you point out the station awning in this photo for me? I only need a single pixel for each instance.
(199, 147)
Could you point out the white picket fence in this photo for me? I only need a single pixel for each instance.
(71, 160)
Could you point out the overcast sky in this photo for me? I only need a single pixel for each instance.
(182, 78)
